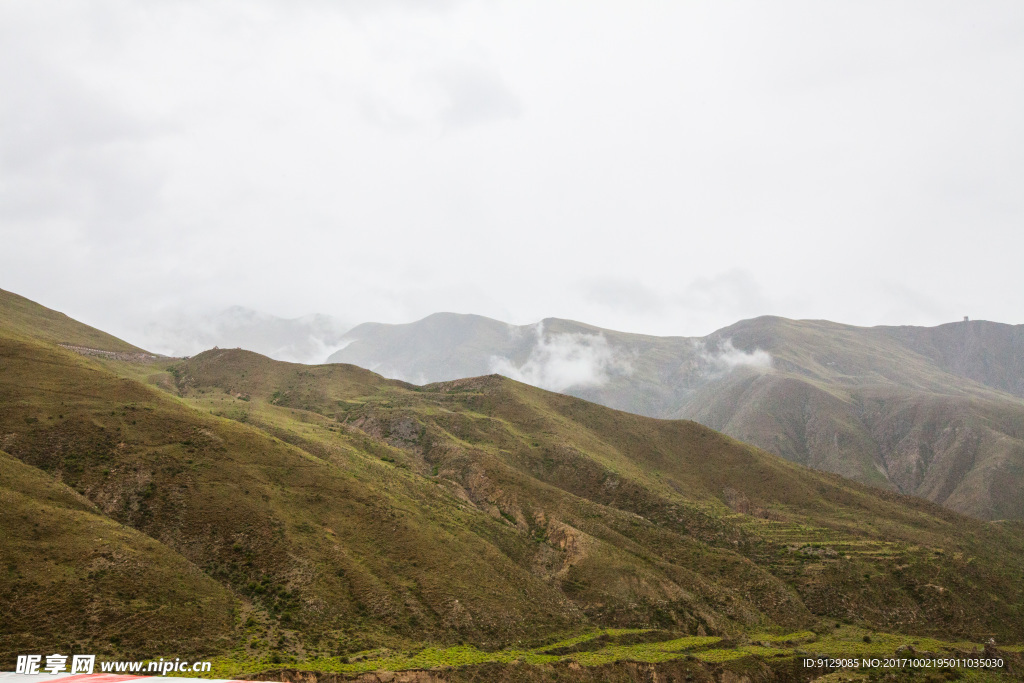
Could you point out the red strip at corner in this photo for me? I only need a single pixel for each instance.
(100, 678)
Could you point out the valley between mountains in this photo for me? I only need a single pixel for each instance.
(325, 518)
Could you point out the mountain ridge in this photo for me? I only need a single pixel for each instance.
(836, 397)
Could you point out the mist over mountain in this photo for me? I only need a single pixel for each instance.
(932, 411)
(308, 339)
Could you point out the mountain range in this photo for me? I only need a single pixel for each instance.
(266, 513)
(935, 412)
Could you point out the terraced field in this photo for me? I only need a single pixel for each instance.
(800, 548)
(601, 647)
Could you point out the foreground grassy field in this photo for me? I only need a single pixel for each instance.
(603, 647)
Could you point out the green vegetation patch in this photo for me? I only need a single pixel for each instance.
(852, 641)
(645, 652)
(718, 655)
(847, 641)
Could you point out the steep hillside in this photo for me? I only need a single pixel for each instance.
(322, 511)
(311, 544)
(934, 412)
(859, 402)
(72, 577)
(21, 317)
(698, 504)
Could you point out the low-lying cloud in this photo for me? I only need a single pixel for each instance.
(310, 339)
(558, 362)
(726, 357)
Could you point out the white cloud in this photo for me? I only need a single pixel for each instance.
(569, 360)
(726, 357)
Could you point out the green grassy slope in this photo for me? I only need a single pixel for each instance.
(21, 317)
(311, 543)
(71, 577)
(324, 510)
(702, 502)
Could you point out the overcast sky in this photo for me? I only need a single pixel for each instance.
(660, 167)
